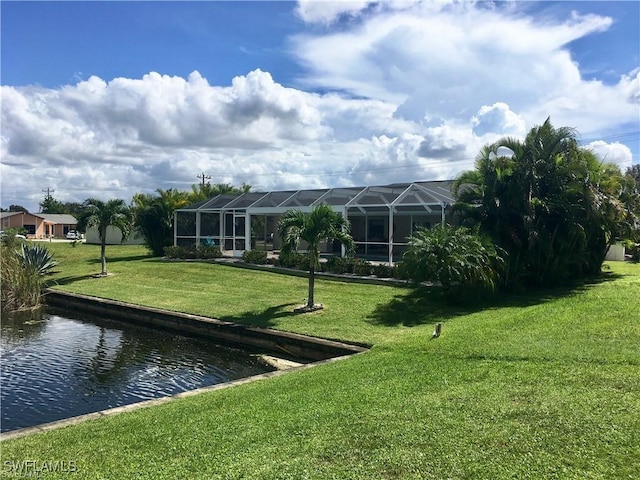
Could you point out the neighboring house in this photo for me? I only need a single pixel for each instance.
(39, 225)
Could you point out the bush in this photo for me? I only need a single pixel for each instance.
(21, 287)
(256, 257)
(295, 260)
(361, 267)
(454, 257)
(341, 265)
(36, 258)
(208, 251)
(176, 251)
(382, 271)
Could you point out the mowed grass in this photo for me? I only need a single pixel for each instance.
(538, 385)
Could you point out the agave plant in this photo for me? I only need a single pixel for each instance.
(36, 259)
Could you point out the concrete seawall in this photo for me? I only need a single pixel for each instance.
(292, 345)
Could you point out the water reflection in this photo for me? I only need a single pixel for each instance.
(55, 367)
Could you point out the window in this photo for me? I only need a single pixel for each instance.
(31, 229)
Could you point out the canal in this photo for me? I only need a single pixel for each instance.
(57, 365)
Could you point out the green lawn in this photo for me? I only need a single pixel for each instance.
(537, 385)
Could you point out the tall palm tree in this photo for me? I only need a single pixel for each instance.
(102, 214)
(323, 223)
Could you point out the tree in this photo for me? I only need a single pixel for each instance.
(454, 257)
(17, 208)
(51, 205)
(551, 205)
(206, 191)
(323, 223)
(154, 217)
(101, 215)
(634, 172)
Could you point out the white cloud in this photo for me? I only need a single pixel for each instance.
(411, 91)
(612, 153)
(498, 119)
(448, 60)
(327, 12)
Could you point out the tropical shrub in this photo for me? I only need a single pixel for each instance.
(382, 271)
(550, 204)
(21, 287)
(208, 251)
(36, 259)
(362, 267)
(289, 259)
(176, 251)
(453, 257)
(154, 217)
(256, 257)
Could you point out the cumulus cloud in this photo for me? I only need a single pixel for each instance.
(612, 153)
(449, 59)
(498, 119)
(410, 91)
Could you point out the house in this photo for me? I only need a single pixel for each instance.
(39, 225)
(382, 217)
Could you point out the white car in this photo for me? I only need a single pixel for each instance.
(17, 235)
(74, 235)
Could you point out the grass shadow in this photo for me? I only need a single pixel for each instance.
(424, 305)
(130, 258)
(263, 319)
(67, 280)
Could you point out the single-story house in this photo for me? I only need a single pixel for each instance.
(382, 217)
(39, 225)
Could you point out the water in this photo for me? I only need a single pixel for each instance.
(54, 367)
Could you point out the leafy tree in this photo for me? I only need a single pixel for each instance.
(154, 217)
(101, 214)
(550, 204)
(206, 191)
(323, 223)
(634, 172)
(454, 257)
(17, 208)
(51, 205)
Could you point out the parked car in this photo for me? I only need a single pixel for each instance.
(17, 235)
(74, 235)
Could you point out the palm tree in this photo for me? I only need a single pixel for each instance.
(551, 205)
(154, 217)
(100, 215)
(323, 223)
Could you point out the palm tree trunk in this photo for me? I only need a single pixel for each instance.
(312, 278)
(103, 255)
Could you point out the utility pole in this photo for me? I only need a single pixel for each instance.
(204, 178)
(48, 191)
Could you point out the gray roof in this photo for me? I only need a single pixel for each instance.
(394, 195)
(62, 218)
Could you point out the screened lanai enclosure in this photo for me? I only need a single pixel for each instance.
(382, 218)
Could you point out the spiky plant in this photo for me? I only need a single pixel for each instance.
(36, 259)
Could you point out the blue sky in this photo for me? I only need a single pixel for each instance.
(110, 99)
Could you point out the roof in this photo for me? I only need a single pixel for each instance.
(9, 214)
(57, 218)
(62, 218)
(393, 195)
